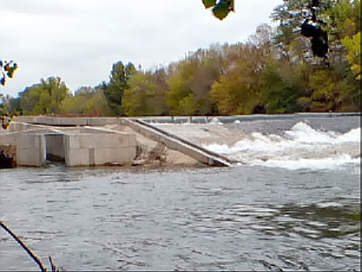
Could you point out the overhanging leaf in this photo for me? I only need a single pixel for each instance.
(222, 9)
(209, 3)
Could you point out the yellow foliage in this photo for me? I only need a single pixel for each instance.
(353, 46)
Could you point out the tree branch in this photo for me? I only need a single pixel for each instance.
(24, 246)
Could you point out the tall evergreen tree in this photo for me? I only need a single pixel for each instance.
(114, 90)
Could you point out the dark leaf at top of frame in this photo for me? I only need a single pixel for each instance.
(209, 3)
(222, 9)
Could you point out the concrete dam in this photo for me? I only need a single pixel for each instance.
(35, 141)
(287, 139)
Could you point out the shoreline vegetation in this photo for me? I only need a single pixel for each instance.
(273, 72)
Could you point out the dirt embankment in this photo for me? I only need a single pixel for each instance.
(153, 154)
(7, 156)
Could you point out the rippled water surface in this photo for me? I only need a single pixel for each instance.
(248, 217)
(243, 218)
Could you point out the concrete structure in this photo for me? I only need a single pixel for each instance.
(99, 149)
(92, 157)
(36, 144)
(30, 150)
(84, 145)
(68, 121)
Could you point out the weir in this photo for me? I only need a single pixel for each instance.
(85, 141)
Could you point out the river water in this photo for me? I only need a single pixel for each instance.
(278, 212)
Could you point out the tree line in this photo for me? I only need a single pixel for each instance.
(275, 71)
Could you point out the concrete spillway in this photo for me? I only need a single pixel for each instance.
(174, 142)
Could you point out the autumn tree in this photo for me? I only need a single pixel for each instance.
(238, 90)
(344, 24)
(191, 81)
(353, 45)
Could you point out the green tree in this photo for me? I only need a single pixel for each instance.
(343, 19)
(294, 17)
(14, 106)
(334, 90)
(45, 97)
(87, 101)
(179, 83)
(282, 85)
(344, 24)
(114, 90)
(146, 94)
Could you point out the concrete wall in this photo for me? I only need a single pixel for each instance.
(99, 149)
(69, 121)
(233, 118)
(19, 126)
(102, 121)
(27, 127)
(30, 150)
(7, 139)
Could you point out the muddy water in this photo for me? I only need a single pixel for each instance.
(241, 218)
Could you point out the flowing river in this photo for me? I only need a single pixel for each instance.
(291, 203)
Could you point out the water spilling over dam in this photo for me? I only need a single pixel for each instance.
(295, 143)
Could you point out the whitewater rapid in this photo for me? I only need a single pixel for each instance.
(298, 142)
(300, 147)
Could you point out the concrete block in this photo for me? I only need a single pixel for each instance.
(66, 121)
(132, 140)
(31, 155)
(44, 120)
(132, 152)
(17, 126)
(103, 140)
(7, 139)
(102, 121)
(112, 155)
(71, 141)
(26, 141)
(24, 119)
(98, 149)
(77, 157)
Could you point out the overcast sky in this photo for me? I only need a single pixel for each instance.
(79, 40)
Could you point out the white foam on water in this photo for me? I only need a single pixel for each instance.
(215, 121)
(300, 147)
(339, 162)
